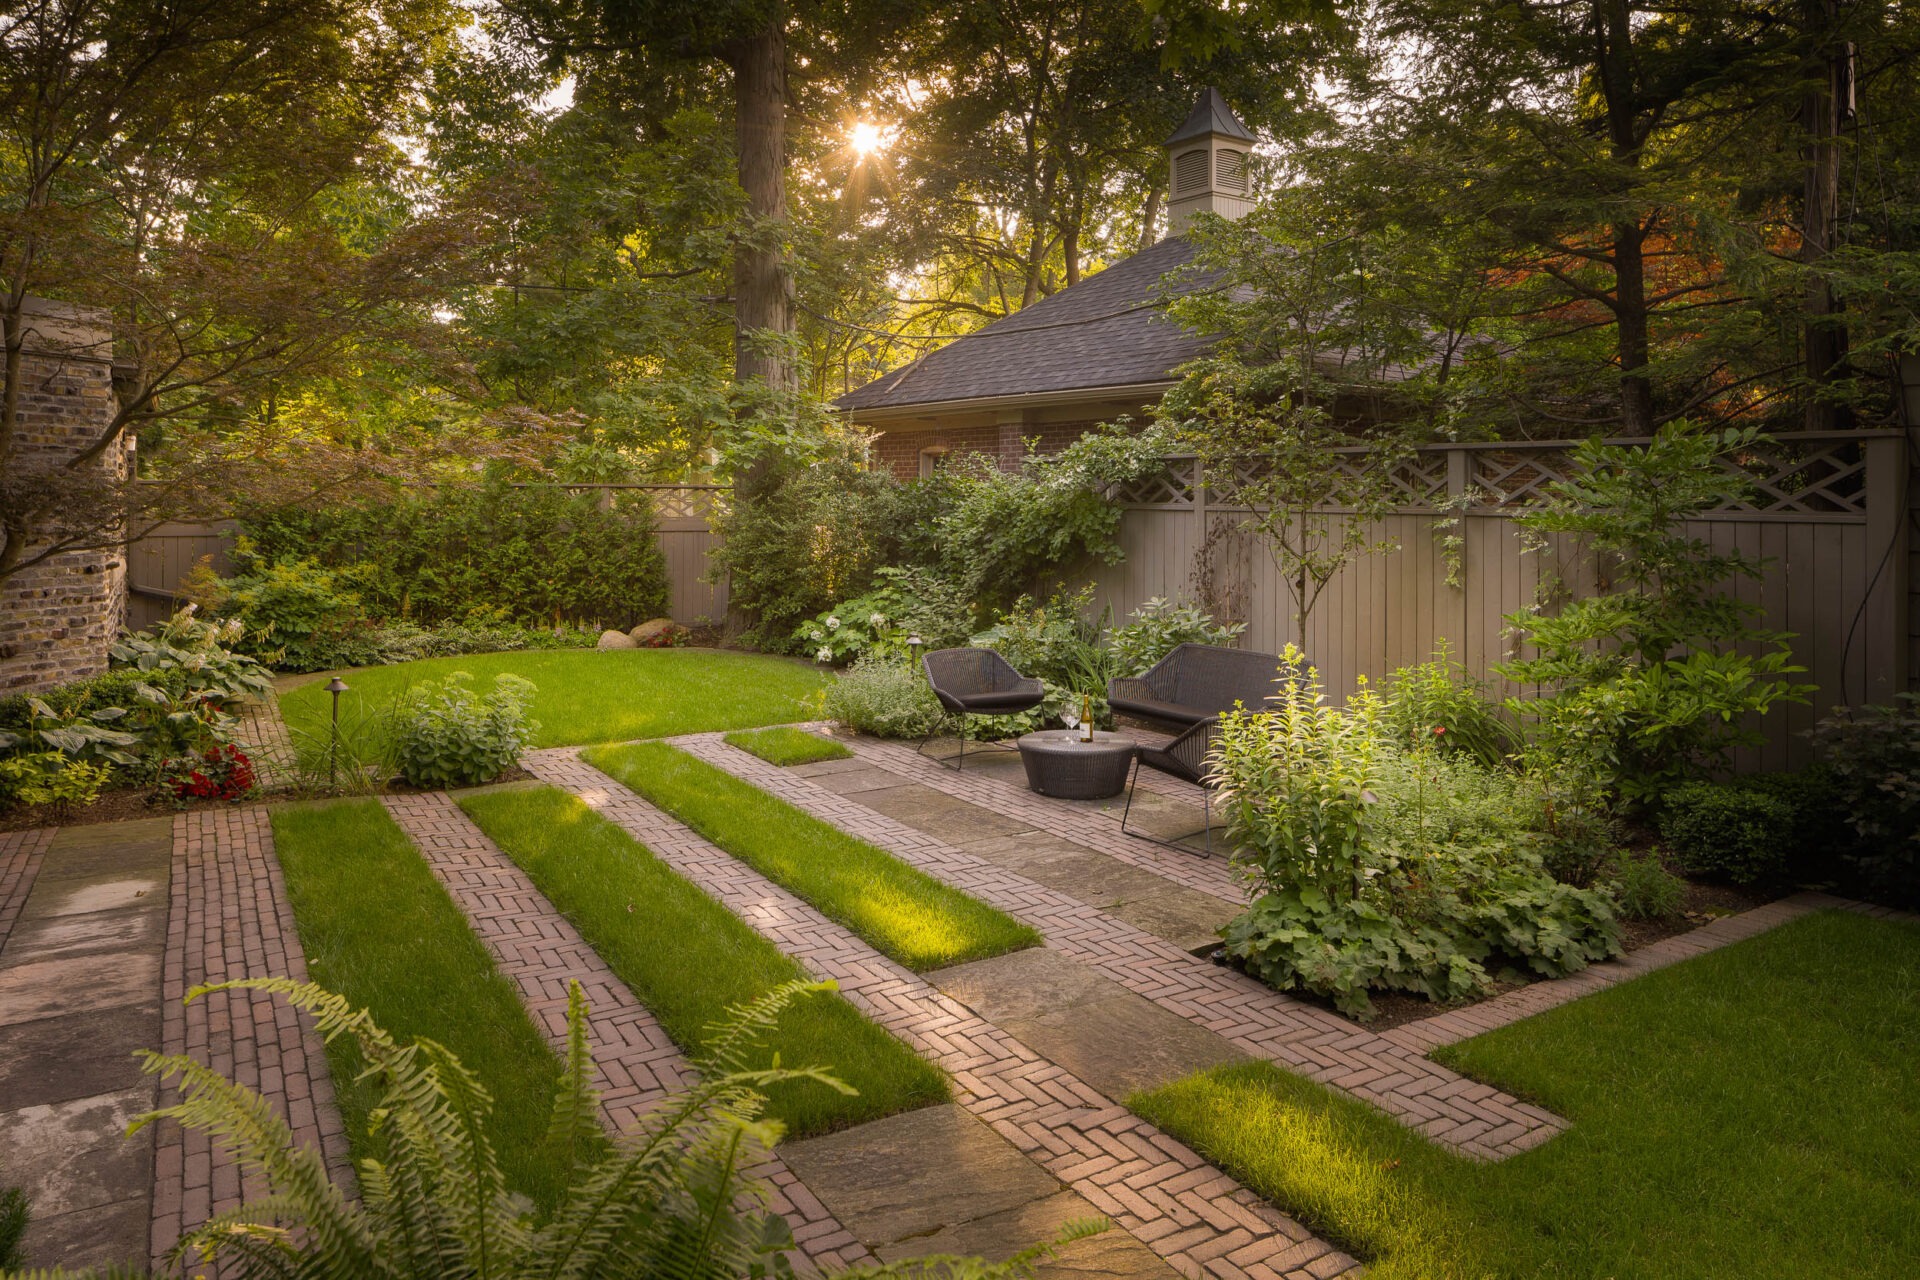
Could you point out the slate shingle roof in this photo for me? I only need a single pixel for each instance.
(1107, 331)
(1210, 115)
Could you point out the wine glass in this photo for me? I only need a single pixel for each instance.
(1070, 717)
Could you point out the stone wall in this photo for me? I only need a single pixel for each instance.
(57, 619)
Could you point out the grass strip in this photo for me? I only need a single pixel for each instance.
(1747, 1114)
(378, 928)
(581, 695)
(904, 913)
(786, 745)
(690, 960)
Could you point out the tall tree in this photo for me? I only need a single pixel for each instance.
(759, 43)
(220, 176)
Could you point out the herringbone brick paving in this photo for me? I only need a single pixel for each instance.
(535, 946)
(1473, 1118)
(20, 855)
(1197, 1218)
(228, 918)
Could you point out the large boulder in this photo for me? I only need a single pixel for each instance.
(657, 633)
(616, 640)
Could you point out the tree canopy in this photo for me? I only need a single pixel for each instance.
(645, 239)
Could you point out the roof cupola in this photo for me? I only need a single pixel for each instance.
(1207, 164)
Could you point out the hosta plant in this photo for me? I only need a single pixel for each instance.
(673, 1199)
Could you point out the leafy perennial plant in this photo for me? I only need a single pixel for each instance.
(446, 735)
(1380, 868)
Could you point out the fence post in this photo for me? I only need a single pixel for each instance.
(1459, 475)
(1884, 621)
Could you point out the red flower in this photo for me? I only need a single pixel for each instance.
(1439, 729)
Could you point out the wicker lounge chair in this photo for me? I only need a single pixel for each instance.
(1191, 686)
(1196, 682)
(978, 682)
(1184, 757)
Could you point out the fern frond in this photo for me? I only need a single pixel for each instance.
(746, 1026)
(245, 1125)
(575, 1127)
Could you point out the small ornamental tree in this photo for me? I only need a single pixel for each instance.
(1656, 674)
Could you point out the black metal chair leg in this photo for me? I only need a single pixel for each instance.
(1133, 780)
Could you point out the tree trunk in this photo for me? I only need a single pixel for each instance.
(1614, 31)
(1070, 246)
(762, 285)
(1823, 335)
(1630, 322)
(1148, 216)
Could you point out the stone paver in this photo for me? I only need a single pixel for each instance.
(79, 995)
(1116, 1040)
(1465, 1115)
(939, 1181)
(230, 919)
(1161, 1192)
(637, 1063)
(1096, 828)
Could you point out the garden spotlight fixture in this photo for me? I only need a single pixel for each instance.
(336, 687)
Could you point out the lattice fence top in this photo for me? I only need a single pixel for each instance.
(688, 502)
(1820, 475)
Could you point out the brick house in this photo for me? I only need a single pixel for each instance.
(1088, 354)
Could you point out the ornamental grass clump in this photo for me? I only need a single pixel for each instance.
(1382, 867)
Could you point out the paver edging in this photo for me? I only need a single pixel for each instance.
(227, 918)
(21, 853)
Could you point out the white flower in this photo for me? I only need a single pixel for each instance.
(877, 620)
(825, 654)
(190, 610)
(833, 622)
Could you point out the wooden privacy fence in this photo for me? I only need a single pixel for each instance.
(1832, 515)
(685, 516)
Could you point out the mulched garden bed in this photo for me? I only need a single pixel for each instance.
(130, 803)
(124, 805)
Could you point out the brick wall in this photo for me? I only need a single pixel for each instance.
(57, 619)
(899, 451)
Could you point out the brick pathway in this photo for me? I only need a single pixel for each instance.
(1188, 1212)
(535, 946)
(20, 855)
(264, 736)
(229, 919)
(1472, 1118)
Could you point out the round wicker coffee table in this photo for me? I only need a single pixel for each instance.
(1060, 765)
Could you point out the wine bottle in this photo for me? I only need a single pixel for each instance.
(1086, 717)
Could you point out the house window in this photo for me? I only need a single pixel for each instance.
(1230, 170)
(1190, 170)
(933, 459)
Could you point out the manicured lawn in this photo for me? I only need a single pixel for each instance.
(1750, 1113)
(904, 913)
(585, 695)
(690, 960)
(378, 929)
(786, 745)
